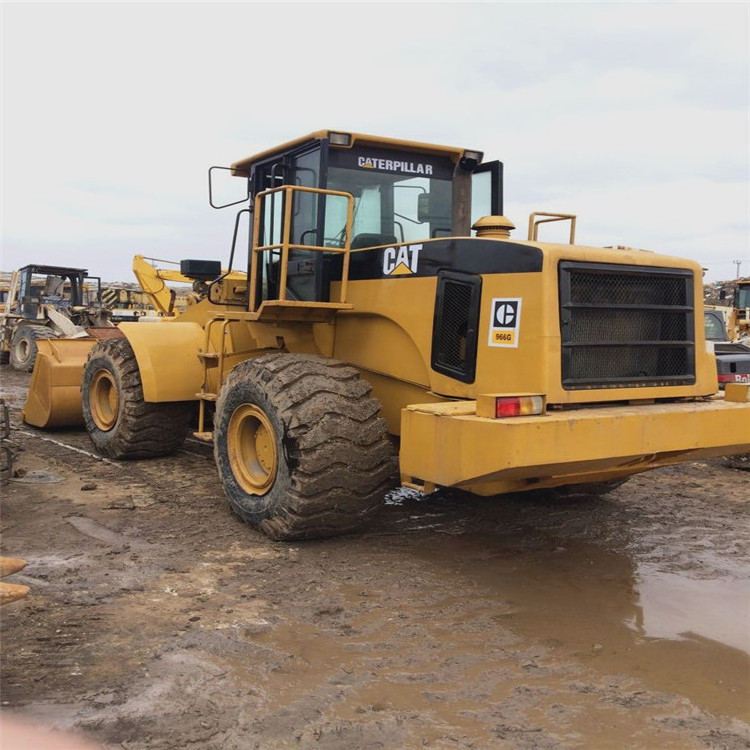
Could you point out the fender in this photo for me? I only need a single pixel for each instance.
(167, 356)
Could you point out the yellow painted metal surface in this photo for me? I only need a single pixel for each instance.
(167, 356)
(488, 456)
(389, 331)
(251, 446)
(54, 398)
(739, 392)
(11, 592)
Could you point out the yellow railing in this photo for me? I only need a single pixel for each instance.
(285, 246)
(534, 223)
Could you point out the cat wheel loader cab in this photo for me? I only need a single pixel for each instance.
(385, 326)
(45, 302)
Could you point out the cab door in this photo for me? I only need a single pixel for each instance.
(306, 268)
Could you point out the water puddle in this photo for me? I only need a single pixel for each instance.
(38, 476)
(679, 608)
(673, 633)
(103, 534)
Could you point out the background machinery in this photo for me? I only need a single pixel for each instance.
(732, 357)
(374, 338)
(46, 302)
(739, 317)
(167, 290)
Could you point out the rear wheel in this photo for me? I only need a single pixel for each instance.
(300, 448)
(23, 346)
(587, 489)
(738, 461)
(121, 424)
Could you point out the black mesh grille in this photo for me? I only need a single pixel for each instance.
(626, 326)
(454, 338)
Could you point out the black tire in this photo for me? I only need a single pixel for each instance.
(300, 448)
(120, 423)
(587, 489)
(23, 346)
(738, 461)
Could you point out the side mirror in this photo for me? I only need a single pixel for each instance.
(224, 190)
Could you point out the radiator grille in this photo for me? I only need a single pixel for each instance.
(625, 326)
(454, 337)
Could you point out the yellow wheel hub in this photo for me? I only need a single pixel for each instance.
(22, 350)
(104, 400)
(251, 445)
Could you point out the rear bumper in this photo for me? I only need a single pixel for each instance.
(447, 445)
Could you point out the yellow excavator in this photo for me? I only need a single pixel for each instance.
(155, 281)
(390, 329)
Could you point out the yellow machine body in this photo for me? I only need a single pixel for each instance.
(381, 312)
(582, 437)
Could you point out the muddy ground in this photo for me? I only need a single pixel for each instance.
(157, 619)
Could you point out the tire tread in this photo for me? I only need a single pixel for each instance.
(342, 461)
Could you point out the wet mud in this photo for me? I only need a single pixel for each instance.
(157, 619)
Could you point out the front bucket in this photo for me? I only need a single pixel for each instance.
(54, 398)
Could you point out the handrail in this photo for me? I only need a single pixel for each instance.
(286, 245)
(534, 224)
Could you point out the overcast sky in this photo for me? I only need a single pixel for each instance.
(634, 116)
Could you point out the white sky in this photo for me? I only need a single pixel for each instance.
(632, 115)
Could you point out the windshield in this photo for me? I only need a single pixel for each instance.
(399, 197)
(743, 296)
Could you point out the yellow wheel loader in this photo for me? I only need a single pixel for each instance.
(386, 327)
(46, 302)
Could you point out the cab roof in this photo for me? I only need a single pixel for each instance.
(354, 139)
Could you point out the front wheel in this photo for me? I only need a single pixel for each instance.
(23, 346)
(120, 423)
(300, 448)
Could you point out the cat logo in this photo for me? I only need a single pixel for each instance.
(505, 322)
(401, 261)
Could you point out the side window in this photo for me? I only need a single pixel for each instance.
(487, 190)
(714, 327)
(481, 195)
(305, 173)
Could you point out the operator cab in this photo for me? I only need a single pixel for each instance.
(51, 285)
(402, 192)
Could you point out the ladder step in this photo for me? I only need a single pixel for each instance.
(205, 436)
(207, 396)
(209, 355)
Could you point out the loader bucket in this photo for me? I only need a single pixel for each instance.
(54, 398)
